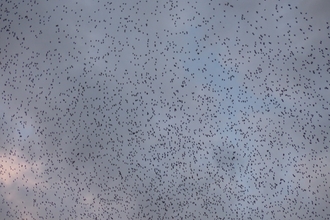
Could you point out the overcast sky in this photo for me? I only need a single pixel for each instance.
(164, 109)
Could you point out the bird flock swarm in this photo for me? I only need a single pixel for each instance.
(199, 109)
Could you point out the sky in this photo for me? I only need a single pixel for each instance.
(164, 109)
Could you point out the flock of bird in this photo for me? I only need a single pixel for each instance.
(164, 110)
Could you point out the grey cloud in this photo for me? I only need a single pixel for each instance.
(162, 110)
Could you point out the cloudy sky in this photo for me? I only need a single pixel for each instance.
(164, 109)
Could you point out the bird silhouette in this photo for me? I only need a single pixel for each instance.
(164, 110)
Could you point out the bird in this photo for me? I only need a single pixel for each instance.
(164, 110)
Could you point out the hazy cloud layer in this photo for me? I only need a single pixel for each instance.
(164, 110)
